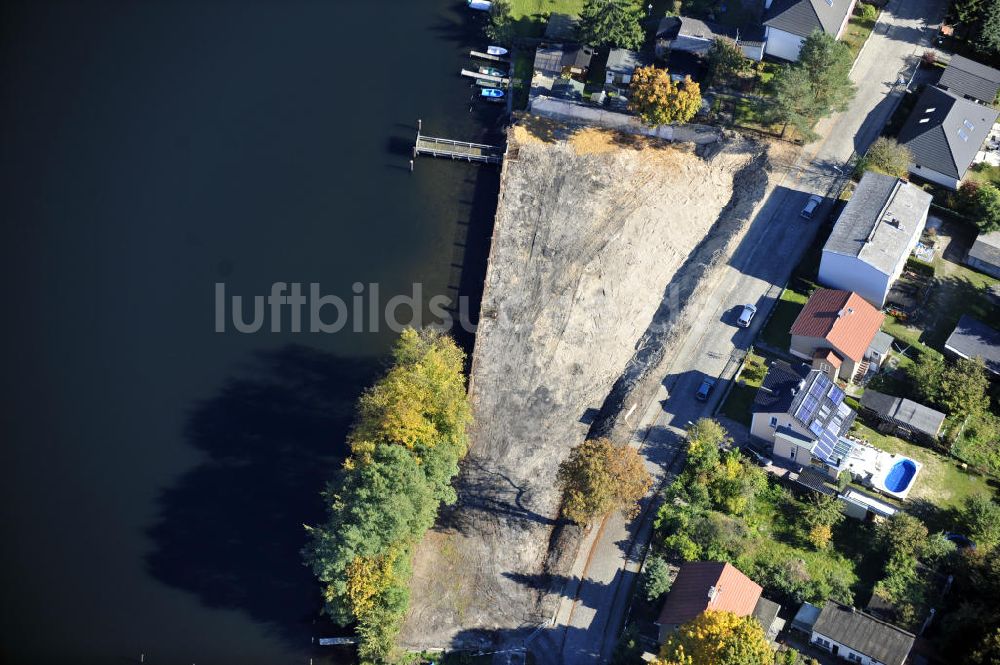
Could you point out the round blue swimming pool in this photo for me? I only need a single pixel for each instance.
(900, 475)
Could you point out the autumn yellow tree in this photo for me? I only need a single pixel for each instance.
(599, 477)
(717, 638)
(659, 100)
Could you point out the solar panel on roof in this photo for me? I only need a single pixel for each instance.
(835, 394)
(816, 428)
(806, 409)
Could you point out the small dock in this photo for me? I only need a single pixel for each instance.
(487, 56)
(479, 76)
(464, 150)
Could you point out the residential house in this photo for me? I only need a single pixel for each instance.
(802, 412)
(908, 418)
(622, 63)
(985, 254)
(969, 79)
(943, 133)
(718, 586)
(859, 637)
(787, 23)
(873, 237)
(691, 35)
(557, 60)
(974, 339)
(838, 332)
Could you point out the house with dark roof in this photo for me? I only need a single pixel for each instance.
(974, 339)
(873, 237)
(908, 418)
(563, 60)
(622, 63)
(859, 637)
(985, 254)
(836, 331)
(802, 412)
(788, 22)
(969, 79)
(717, 586)
(695, 36)
(943, 133)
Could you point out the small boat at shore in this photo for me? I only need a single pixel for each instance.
(496, 50)
(481, 5)
(492, 71)
(491, 93)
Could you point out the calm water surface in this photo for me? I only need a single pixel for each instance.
(156, 474)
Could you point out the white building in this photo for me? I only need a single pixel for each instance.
(858, 637)
(789, 22)
(873, 237)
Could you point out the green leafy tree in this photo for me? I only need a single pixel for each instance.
(989, 33)
(904, 588)
(612, 23)
(925, 376)
(866, 11)
(969, 11)
(980, 516)
(655, 578)
(726, 61)
(816, 86)
(963, 386)
(985, 208)
(820, 514)
(500, 28)
(659, 100)
(599, 477)
(886, 156)
(902, 535)
(717, 638)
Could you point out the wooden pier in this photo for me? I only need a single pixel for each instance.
(487, 56)
(479, 76)
(464, 150)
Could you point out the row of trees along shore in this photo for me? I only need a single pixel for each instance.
(410, 433)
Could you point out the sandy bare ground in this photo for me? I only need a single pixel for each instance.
(593, 235)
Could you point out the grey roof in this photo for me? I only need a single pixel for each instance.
(567, 89)
(974, 339)
(944, 132)
(880, 221)
(553, 57)
(561, 26)
(970, 79)
(776, 392)
(915, 416)
(864, 633)
(882, 342)
(765, 612)
(801, 17)
(806, 617)
(672, 27)
(823, 409)
(624, 61)
(987, 248)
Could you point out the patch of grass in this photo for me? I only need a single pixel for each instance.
(740, 399)
(941, 481)
(530, 16)
(956, 292)
(985, 173)
(856, 34)
(775, 333)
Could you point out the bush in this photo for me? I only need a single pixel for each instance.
(866, 11)
(655, 578)
(886, 156)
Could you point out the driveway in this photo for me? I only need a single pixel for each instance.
(592, 612)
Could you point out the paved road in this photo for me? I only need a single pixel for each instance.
(593, 611)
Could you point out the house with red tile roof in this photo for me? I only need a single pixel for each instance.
(839, 333)
(713, 585)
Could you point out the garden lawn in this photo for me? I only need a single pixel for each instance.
(775, 333)
(985, 173)
(531, 15)
(740, 399)
(940, 482)
(856, 34)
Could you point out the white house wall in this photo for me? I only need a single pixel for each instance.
(934, 176)
(843, 651)
(753, 52)
(850, 273)
(783, 44)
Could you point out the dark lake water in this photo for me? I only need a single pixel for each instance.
(156, 474)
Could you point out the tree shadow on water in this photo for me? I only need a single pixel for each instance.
(230, 529)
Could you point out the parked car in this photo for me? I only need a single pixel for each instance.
(705, 389)
(755, 457)
(811, 206)
(746, 316)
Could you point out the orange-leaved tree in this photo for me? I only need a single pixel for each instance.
(717, 638)
(599, 477)
(659, 100)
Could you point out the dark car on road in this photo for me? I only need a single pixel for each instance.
(756, 457)
(705, 389)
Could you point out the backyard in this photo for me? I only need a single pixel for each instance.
(531, 15)
(740, 399)
(776, 332)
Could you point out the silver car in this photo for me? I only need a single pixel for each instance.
(746, 316)
(811, 206)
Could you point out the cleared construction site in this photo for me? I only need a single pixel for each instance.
(599, 243)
